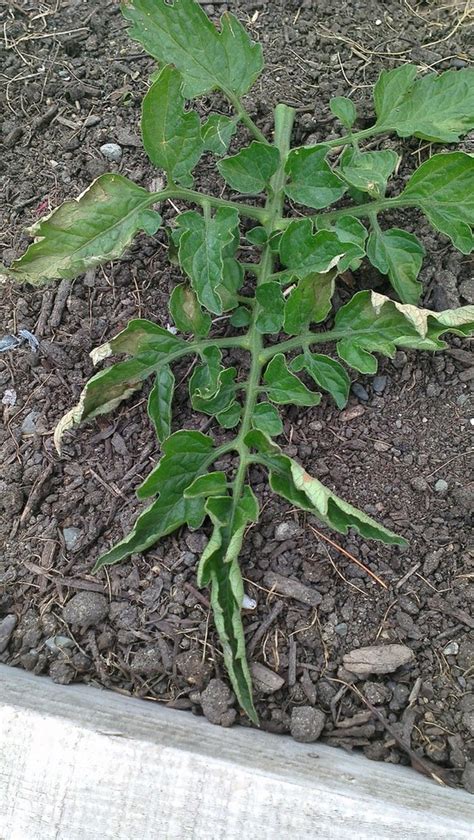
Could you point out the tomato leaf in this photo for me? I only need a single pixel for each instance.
(311, 180)
(344, 109)
(186, 312)
(327, 373)
(368, 171)
(250, 170)
(272, 304)
(400, 255)
(283, 387)
(267, 419)
(217, 132)
(159, 402)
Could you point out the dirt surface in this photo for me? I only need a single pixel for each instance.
(73, 81)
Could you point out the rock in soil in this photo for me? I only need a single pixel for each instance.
(264, 679)
(86, 609)
(380, 659)
(215, 701)
(7, 626)
(307, 724)
(147, 662)
(292, 588)
(468, 777)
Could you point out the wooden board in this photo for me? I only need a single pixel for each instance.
(77, 763)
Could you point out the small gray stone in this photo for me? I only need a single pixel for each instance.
(377, 659)
(7, 626)
(215, 702)
(468, 777)
(71, 537)
(376, 693)
(196, 542)
(468, 722)
(360, 392)
(286, 531)
(441, 486)
(341, 629)
(419, 484)
(451, 649)
(91, 120)
(467, 289)
(148, 662)
(194, 670)
(306, 724)
(293, 589)
(112, 151)
(86, 609)
(264, 679)
(57, 643)
(379, 383)
(29, 424)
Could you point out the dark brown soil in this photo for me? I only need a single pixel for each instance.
(72, 82)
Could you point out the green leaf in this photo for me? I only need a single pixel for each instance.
(186, 312)
(257, 236)
(309, 302)
(88, 231)
(151, 347)
(305, 252)
(171, 135)
(443, 187)
(344, 109)
(204, 381)
(241, 317)
(436, 108)
(272, 303)
(267, 419)
(219, 567)
(368, 171)
(374, 323)
(400, 255)
(230, 416)
(181, 34)
(348, 229)
(217, 132)
(311, 179)
(211, 484)
(206, 246)
(250, 170)
(185, 457)
(282, 386)
(159, 403)
(290, 480)
(223, 397)
(327, 373)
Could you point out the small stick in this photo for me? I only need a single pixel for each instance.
(350, 556)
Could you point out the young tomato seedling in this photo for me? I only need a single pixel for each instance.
(288, 290)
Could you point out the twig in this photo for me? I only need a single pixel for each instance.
(350, 556)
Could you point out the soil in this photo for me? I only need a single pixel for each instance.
(74, 81)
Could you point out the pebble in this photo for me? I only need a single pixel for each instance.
(351, 413)
(112, 151)
(196, 542)
(292, 588)
(376, 693)
(468, 777)
(306, 724)
(341, 629)
(467, 289)
(7, 626)
(215, 701)
(468, 722)
(57, 643)
(91, 120)
(360, 392)
(29, 424)
(264, 679)
(190, 664)
(86, 609)
(286, 530)
(451, 649)
(441, 486)
(379, 383)
(377, 659)
(419, 484)
(148, 662)
(71, 537)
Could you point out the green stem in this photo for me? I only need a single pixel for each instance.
(284, 118)
(245, 117)
(195, 197)
(356, 136)
(299, 342)
(359, 210)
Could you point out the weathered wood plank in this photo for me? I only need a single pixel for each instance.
(81, 764)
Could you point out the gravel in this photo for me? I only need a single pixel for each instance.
(86, 609)
(441, 486)
(216, 701)
(265, 680)
(292, 588)
(7, 626)
(307, 724)
(379, 659)
(112, 152)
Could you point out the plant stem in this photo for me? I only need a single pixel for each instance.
(284, 118)
(245, 117)
(202, 199)
(358, 210)
(301, 342)
(355, 136)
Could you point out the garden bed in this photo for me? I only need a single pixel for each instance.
(399, 451)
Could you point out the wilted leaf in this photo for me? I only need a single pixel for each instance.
(267, 419)
(181, 34)
(171, 135)
(368, 171)
(160, 401)
(311, 180)
(344, 109)
(400, 255)
(186, 312)
(439, 108)
(327, 373)
(443, 187)
(88, 231)
(290, 480)
(309, 302)
(206, 246)
(186, 455)
(250, 170)
(272, 303)
(283, 387)
(348, 229)
(217, 132)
